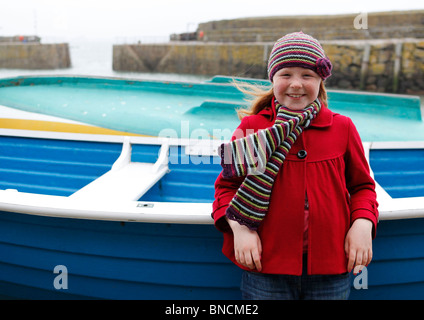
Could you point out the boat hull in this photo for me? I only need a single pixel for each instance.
(396, 271)
(111, 260)
(163, 245)
(62, 258)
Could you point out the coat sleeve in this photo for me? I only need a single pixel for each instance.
(226, 188)
(360, 184)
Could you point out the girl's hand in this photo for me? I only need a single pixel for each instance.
(247, 246)
(358, 244)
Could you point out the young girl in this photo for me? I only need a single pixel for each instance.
(295, 200)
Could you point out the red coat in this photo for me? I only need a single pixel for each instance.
(335, 176)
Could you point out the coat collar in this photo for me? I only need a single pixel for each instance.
(324, 118)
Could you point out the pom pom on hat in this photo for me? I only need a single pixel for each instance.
(299, 50)
(324, 67)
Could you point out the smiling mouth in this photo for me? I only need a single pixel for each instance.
(295, 96)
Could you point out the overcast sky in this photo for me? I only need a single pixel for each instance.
(94, 19)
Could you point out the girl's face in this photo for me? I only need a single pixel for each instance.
(296, 87)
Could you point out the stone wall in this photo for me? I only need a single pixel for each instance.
(191, 58)
(376, 25)
(395, 66)
(34, 56)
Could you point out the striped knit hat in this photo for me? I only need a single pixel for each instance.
(299, 50)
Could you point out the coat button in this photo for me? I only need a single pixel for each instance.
(302, 154)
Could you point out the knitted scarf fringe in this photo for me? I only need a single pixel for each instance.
(259, 157)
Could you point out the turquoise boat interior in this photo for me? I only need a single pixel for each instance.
(193, 110)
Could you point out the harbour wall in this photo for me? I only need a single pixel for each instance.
(384, 65)
(15, 55)
(357, 26)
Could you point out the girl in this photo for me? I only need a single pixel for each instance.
(295, 200)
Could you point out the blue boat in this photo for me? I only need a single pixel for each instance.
(93, 211)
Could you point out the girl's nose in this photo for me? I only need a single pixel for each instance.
(296, 83)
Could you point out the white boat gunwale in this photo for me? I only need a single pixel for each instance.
(166, 212)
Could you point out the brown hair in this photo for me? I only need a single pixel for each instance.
(261, 97)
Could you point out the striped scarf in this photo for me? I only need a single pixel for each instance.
(259, 157)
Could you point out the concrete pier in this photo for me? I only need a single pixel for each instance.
(242, 59)
(17, 55)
